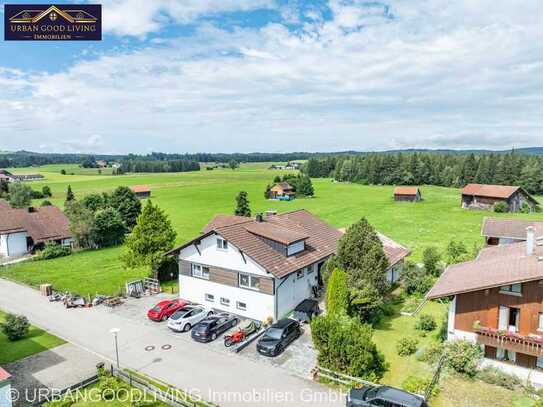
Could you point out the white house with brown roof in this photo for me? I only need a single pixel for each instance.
(497, 302)
(24, 229)
(257, 268)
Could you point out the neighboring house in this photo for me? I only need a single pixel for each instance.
(9, 177)
(257, 268)
(292, 165)
(411, 194)
(5, 389)
(27, 229)
(141, 191)
(498, 231)
(497, 302)
(395, 254)
(481, 196)
(281, 189)
(101, 163)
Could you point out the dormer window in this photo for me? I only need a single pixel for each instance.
(222, 244)
(295, 247)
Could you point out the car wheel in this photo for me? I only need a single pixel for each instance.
(235, 322)
(213, 336)
(210, 313)
(186, 328)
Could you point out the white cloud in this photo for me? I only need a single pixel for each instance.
(424, 74)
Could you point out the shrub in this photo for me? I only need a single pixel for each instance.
(337, 293)
(463, 357)
(416, 280)
(431, 354)
(426, 323)
(46, 191)
(54, 250)
(406, 346)
(500, 207)
(345, 345)
(63, 172)
(431, 259)
(418, 385)
(498, 377)
(46, 203)
(15, 327)
(37, 194)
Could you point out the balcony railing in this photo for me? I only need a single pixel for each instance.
(530, 345)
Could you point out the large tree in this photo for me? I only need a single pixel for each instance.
(242, 205)
(109, 228)
(360, 253)
(81, 223)
(69, 194)
(20, 195)
(152, 236)
(124, 201)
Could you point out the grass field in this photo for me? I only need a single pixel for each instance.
(36, 341)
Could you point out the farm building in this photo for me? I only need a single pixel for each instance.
(281, 189)
(482, 196)
(9, 177)
(141, 191)
(22, 230)
(411, 194)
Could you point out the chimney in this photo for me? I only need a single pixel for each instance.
(259, 217)
(530, 240)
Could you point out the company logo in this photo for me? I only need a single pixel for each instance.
(52, 22)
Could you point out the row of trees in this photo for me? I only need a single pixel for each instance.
(159, 166)
(432, 169)
(102, 220)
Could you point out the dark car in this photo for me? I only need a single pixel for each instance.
(278, 336)
(209, 328)
(306, 310)
(383, 396)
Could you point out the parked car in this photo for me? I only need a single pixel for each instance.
(278, 336)
(165, 309)
(383, 396)
(209, 328)
(306, 310)
(185, 318)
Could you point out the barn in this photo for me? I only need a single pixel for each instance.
(483, 196)
(141, 191)
(407, 194)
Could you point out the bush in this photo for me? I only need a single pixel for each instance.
(498, 377)
(37, 195)
(54, 250)
(416, 280)
(430, 354)
(406, 346)
(418, 385)
(15, 327)
(337, 293)
(500, 207)
(46, 191)
(46, 203)
(345, 345)
(431, 259)
(463, 357)
(426, 323)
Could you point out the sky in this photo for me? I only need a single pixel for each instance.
(281, 76)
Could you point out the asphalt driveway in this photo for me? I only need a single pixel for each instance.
(221, 377)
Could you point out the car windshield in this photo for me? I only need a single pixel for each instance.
(274, 333)
(156, 308)
(372, 393)
(179, 314)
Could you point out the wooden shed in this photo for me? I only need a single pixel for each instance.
(483, 196)
(141, 191)
(408, 194)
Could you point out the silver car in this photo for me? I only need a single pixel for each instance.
(188, 316)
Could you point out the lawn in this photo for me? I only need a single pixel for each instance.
(36, 341)
(192, 199)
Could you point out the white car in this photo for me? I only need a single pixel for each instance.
(188, 316)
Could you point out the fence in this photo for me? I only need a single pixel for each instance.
(340, 378)
(435, 378)
(168, 394)
(57, 395)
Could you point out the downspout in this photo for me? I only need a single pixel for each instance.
(276, 316)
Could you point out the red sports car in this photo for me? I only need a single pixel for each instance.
(164, 309)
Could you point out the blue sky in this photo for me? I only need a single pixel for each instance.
(279, 75)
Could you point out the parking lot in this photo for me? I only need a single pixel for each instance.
(298, 359)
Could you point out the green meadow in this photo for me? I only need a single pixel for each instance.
(191, 199)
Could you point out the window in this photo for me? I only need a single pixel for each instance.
(513, 289)
(210, 298)
(248, 281)
(539, 362)
(310, 269)
(300, 274)
(506, 355)
(200, 271)
(222, 244)
(241, 306)
(540, 327)
(225, 301)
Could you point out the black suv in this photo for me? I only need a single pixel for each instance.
(278, 336)
(383, 396)
(208, 329)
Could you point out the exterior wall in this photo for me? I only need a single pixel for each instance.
(408, 198)
(5, 396)
(526, 374)
(13, 244)
(514, 202)
(484, 306)
(394, 272)
(291, 290)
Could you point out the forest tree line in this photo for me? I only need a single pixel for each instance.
(159, 166)
(446, 170)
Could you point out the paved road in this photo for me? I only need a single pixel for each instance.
(222, 378)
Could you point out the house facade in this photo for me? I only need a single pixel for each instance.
(499, 231)
(5, 389)
(257, 268)
(409, 194)
(281, 189)
(497, 302)
(482, 196)
(23, 230)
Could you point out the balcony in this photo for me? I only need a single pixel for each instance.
(529, 345)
